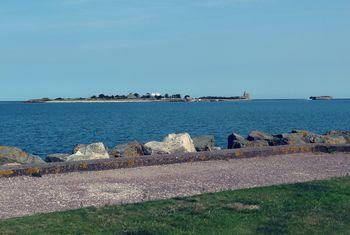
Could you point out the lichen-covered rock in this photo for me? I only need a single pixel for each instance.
(295, 139)
(57, 157)
(258, 135)
(89, 152)
(173, 143)
(334, 140)
(132, 149)
(204, 143)
(257, 143)
(345, 134)
(10, 154)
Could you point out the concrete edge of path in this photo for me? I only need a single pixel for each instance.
(118, 163)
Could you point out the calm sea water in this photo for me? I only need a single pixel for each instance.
(52, 128)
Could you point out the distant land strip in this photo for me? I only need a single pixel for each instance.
(135, 97)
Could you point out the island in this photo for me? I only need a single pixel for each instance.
(136, 97)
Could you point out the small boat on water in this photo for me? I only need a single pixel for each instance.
(321, 98)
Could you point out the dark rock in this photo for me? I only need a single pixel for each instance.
(258, 135)
(281, 136)
(132, 149)
(278, 141)
(58, 157)
(15, 155)
(236, 141)
(204, 143)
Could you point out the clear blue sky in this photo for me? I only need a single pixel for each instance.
(271, 48)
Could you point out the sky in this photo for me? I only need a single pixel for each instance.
(79, 48)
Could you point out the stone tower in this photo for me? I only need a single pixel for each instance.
(246, 95)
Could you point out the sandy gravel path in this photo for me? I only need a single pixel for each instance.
(21, 196)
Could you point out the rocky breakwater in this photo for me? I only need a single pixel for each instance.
(295, 137)
(172, 143)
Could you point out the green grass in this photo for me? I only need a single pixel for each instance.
(321, 207)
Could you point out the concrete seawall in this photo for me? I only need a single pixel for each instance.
(117, 163)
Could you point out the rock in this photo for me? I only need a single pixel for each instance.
(345, 134)
(314, 138)
(132, 149)
(278, 141)
(302, 133)
(257, 144)
(281, 136)
(57, 157)
(295, 139)
(173, 143)
(78, 147)
(155, 147)
(334, 140)
(15, 155)
(258, 135)
(89, 152)
(236, 141)
(204, 143)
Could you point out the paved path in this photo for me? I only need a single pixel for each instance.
(26, 195)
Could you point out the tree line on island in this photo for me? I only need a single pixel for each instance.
(156, 96)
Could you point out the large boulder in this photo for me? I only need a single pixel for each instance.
(15, 155)
(204, 143)
(132, 149)
(89, 152)
(258, 135)
(236, 141)
(173, 143)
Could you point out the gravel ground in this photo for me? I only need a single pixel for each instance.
(22, 196)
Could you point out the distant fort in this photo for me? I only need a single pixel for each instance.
(135, 97)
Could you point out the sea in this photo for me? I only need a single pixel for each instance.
(47, 128)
